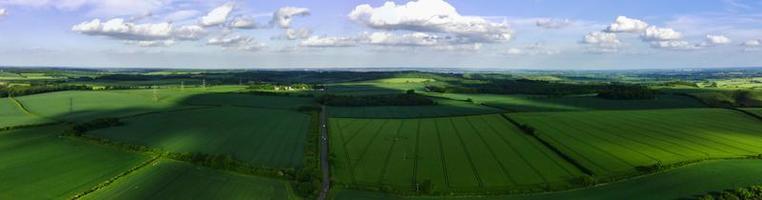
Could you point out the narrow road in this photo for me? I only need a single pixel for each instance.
(324, 165)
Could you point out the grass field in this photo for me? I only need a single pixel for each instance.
(12, 115)
(475, 153)
(756, 111)
(169, 179)
(615, 142)
(680, 183)
(525, 103)
(87, 105)
(37, 164)
(380, 86)
(281, 102)
(443, 108)
(272, 138)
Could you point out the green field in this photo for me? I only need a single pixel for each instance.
(443, 108)
(37, 164)
(167, 179)
(267, 137)
(466, 154)
(612, 143)
(681, 183)
(756, 111)
(527, 103)
(249, 100)
(12, 115)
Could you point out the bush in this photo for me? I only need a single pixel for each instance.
(80, 129)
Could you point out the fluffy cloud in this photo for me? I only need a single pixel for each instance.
(412, 39)
(189, 32)
(96, 7)
(553, 23)
(675, 45)
(154, 43)
(435, 16)
(623, 24)
(717, 40)
(218, 15)
(283, 16)
(601, 38)
(654, 33)
(243, 23)
(3, 12)
(118, 28)
(300, 33)
(238, 42)
(752, 43)
(324, 41)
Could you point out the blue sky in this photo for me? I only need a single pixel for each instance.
(521, 34)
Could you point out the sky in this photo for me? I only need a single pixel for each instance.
(496, 34)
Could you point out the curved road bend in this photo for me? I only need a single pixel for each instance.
(324, 165)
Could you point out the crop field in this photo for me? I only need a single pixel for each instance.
(37, 164)
(443, 108)
(613, 142)
(454, 154)
(167, 179)
(526, 103)
(273, 138)
(680, 183)
(249, 100)
(12, 115)
(380, 86)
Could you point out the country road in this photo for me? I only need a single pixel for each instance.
(324, 164)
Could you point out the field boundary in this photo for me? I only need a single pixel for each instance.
(558, 152)
(115, 178)
(468, 154)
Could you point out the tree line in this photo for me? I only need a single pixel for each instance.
(410, 98)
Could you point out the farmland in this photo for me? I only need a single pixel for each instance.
(185, 134)
(36, 158)
(167, 179)
(681, 183)
(267, 137)
(454, 154)
(614, 142)
(441, 109)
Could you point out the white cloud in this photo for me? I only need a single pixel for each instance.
(300, 33)
(118, 28)
(435, 16)
(752, 43)
(238, 42)
(654, 33)
(189, 32)
(412, 39)
(181, 15)
(154, 43)
(553, 23)
(534, 49)
(325, 41)
(283, 16)
(623, 24)
(3, 12)
(218, 15)
(601, 38)
(243, 23)
(675, 45)
(717, 40)
(106, 8)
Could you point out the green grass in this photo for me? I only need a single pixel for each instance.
(458, 154)
(680, 183)
(443, 108)
(37, 164)
(169, 179)
(756, 111)
(267, 137)
(280, 102)
(612, 143)
(12, 115)
(525, 103)
(88, 105)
